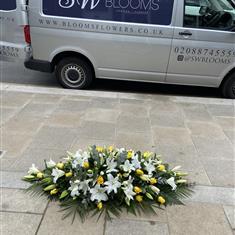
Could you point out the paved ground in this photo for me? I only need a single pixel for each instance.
(197, 133)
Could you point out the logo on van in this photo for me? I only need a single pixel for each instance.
(144, 5)
(82, 3)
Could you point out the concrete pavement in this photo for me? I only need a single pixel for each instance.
(197, 133)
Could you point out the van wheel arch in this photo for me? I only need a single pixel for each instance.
(67, 54)
(73, 70)
(228, 81)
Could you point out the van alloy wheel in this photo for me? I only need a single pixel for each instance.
(74, 73)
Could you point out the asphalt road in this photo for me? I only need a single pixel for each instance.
(16, 73)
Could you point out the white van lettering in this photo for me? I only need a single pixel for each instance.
(145, 5)
(70, 3)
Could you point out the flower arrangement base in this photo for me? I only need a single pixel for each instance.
(108, 180)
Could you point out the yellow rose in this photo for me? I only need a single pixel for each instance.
(161, 200)
(54, 191)
(100, 180)
(110, 148)
(86, 165)
(129, 154)
(137, 190)
(40, 175)
(60, 165)
(161, 168)
(99, 149)
(139, 198)
(69, 174)
(139, 172)
(153, 181)
(147, 154)
(100, 205)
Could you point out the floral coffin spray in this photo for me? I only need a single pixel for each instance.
(107, 180)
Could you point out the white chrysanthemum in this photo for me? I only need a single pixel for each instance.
(112, 184)
(33, 170)
(57, 173)
(50, 164)
(98, 193)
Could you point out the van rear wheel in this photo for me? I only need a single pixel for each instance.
(74, 73)
(228, 87)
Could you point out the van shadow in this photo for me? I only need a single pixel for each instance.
(154, 88)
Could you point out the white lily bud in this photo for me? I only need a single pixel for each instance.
(181, 181)
(176, 168)
(155, 189)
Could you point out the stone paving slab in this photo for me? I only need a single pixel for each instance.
(192, 132)
(9, 99)
(14, 144)
(230, 213)
(52, 224)
(194, 219)
(215, 195)
(37, 157)
(19, 223)
(15, 200)
(54, 138)
(133, 227)
(13, 180)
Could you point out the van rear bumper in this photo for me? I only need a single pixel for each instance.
(39, 65)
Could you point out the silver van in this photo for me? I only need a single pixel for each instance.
(189, 42)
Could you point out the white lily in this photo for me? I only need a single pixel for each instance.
(98, 193)
(80, 158)
(50, 164)
(112, 184)
(57, 174)
(135, 161)
(84, 186)
(33, 170)
(74, 188)
(149, 168)
(128, 189)
(127, 167)
(171, 182)
(111, 165)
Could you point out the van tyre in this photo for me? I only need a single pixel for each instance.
(74, 73)
(228, 87)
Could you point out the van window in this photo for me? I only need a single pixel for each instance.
(7, 5)
(136, 11)
(210, 14)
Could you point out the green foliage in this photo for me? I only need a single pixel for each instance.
(105, 181)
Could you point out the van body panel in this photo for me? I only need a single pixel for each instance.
(202, 57)
(13, 15)
(129, 48)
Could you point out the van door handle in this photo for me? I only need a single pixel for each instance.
(185, 33)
